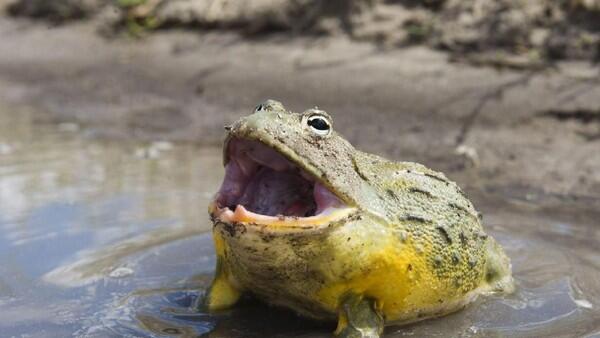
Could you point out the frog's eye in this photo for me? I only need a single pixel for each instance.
(319, 125)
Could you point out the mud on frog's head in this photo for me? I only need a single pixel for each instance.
(285, 170)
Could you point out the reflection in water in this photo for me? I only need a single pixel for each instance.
(76, 217)
(95, 264)
(106, 238)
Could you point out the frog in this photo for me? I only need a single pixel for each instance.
(305, 221)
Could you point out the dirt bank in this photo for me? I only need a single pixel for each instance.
(532, 136)
(507, 33)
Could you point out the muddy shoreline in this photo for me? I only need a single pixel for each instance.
(528, 136)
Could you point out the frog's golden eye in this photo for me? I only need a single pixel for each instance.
(319, 125)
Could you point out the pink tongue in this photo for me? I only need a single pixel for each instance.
(274, 193)
(325, 199)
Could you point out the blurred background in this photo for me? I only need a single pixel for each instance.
(111, 122)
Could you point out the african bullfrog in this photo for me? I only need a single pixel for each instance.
(305, 221)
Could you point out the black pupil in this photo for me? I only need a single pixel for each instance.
(319, 124)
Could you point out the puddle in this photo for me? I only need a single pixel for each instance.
(111, 238)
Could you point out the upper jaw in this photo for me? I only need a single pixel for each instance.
(262, 186)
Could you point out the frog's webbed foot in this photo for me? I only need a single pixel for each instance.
(498, 268)
(359, 318)
(221, 294)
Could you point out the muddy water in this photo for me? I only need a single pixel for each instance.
(110, 238)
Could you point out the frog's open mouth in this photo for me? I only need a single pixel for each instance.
(261, 186)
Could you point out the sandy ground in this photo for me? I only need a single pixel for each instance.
(529, 137)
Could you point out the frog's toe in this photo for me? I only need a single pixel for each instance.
(498, 269)
(359, 318)
(221, 294)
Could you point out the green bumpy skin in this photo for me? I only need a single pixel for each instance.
(411, 248)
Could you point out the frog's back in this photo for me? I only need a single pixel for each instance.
(434, 215)
(411, 190)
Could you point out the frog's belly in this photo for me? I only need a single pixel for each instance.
(279, 270)
(312, 281)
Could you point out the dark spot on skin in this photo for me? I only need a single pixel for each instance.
(233, 229)
(401, 235)
(435, 177)
(250, 249)
(440, 301)
(437, 261)
(444, 234)
(391, 193)
(478, 237)
(348, 239)
(298, 241)
(266, 237)
(281, 139)
(463, 238)
(491, 275)
(409, 267)
(458, 207)
(415, 219)
(421, 191)
(462, 193)
(455, 258)
(480, 216)
(358, 171)
(472, 262)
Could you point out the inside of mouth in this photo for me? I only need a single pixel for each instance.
(260, 181)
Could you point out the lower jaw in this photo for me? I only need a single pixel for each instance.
(242, 216)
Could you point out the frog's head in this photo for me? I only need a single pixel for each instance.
(286, 170)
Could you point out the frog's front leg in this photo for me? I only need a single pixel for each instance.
(221, 294)
(358, 317)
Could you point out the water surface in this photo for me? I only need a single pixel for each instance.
(111, 238)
